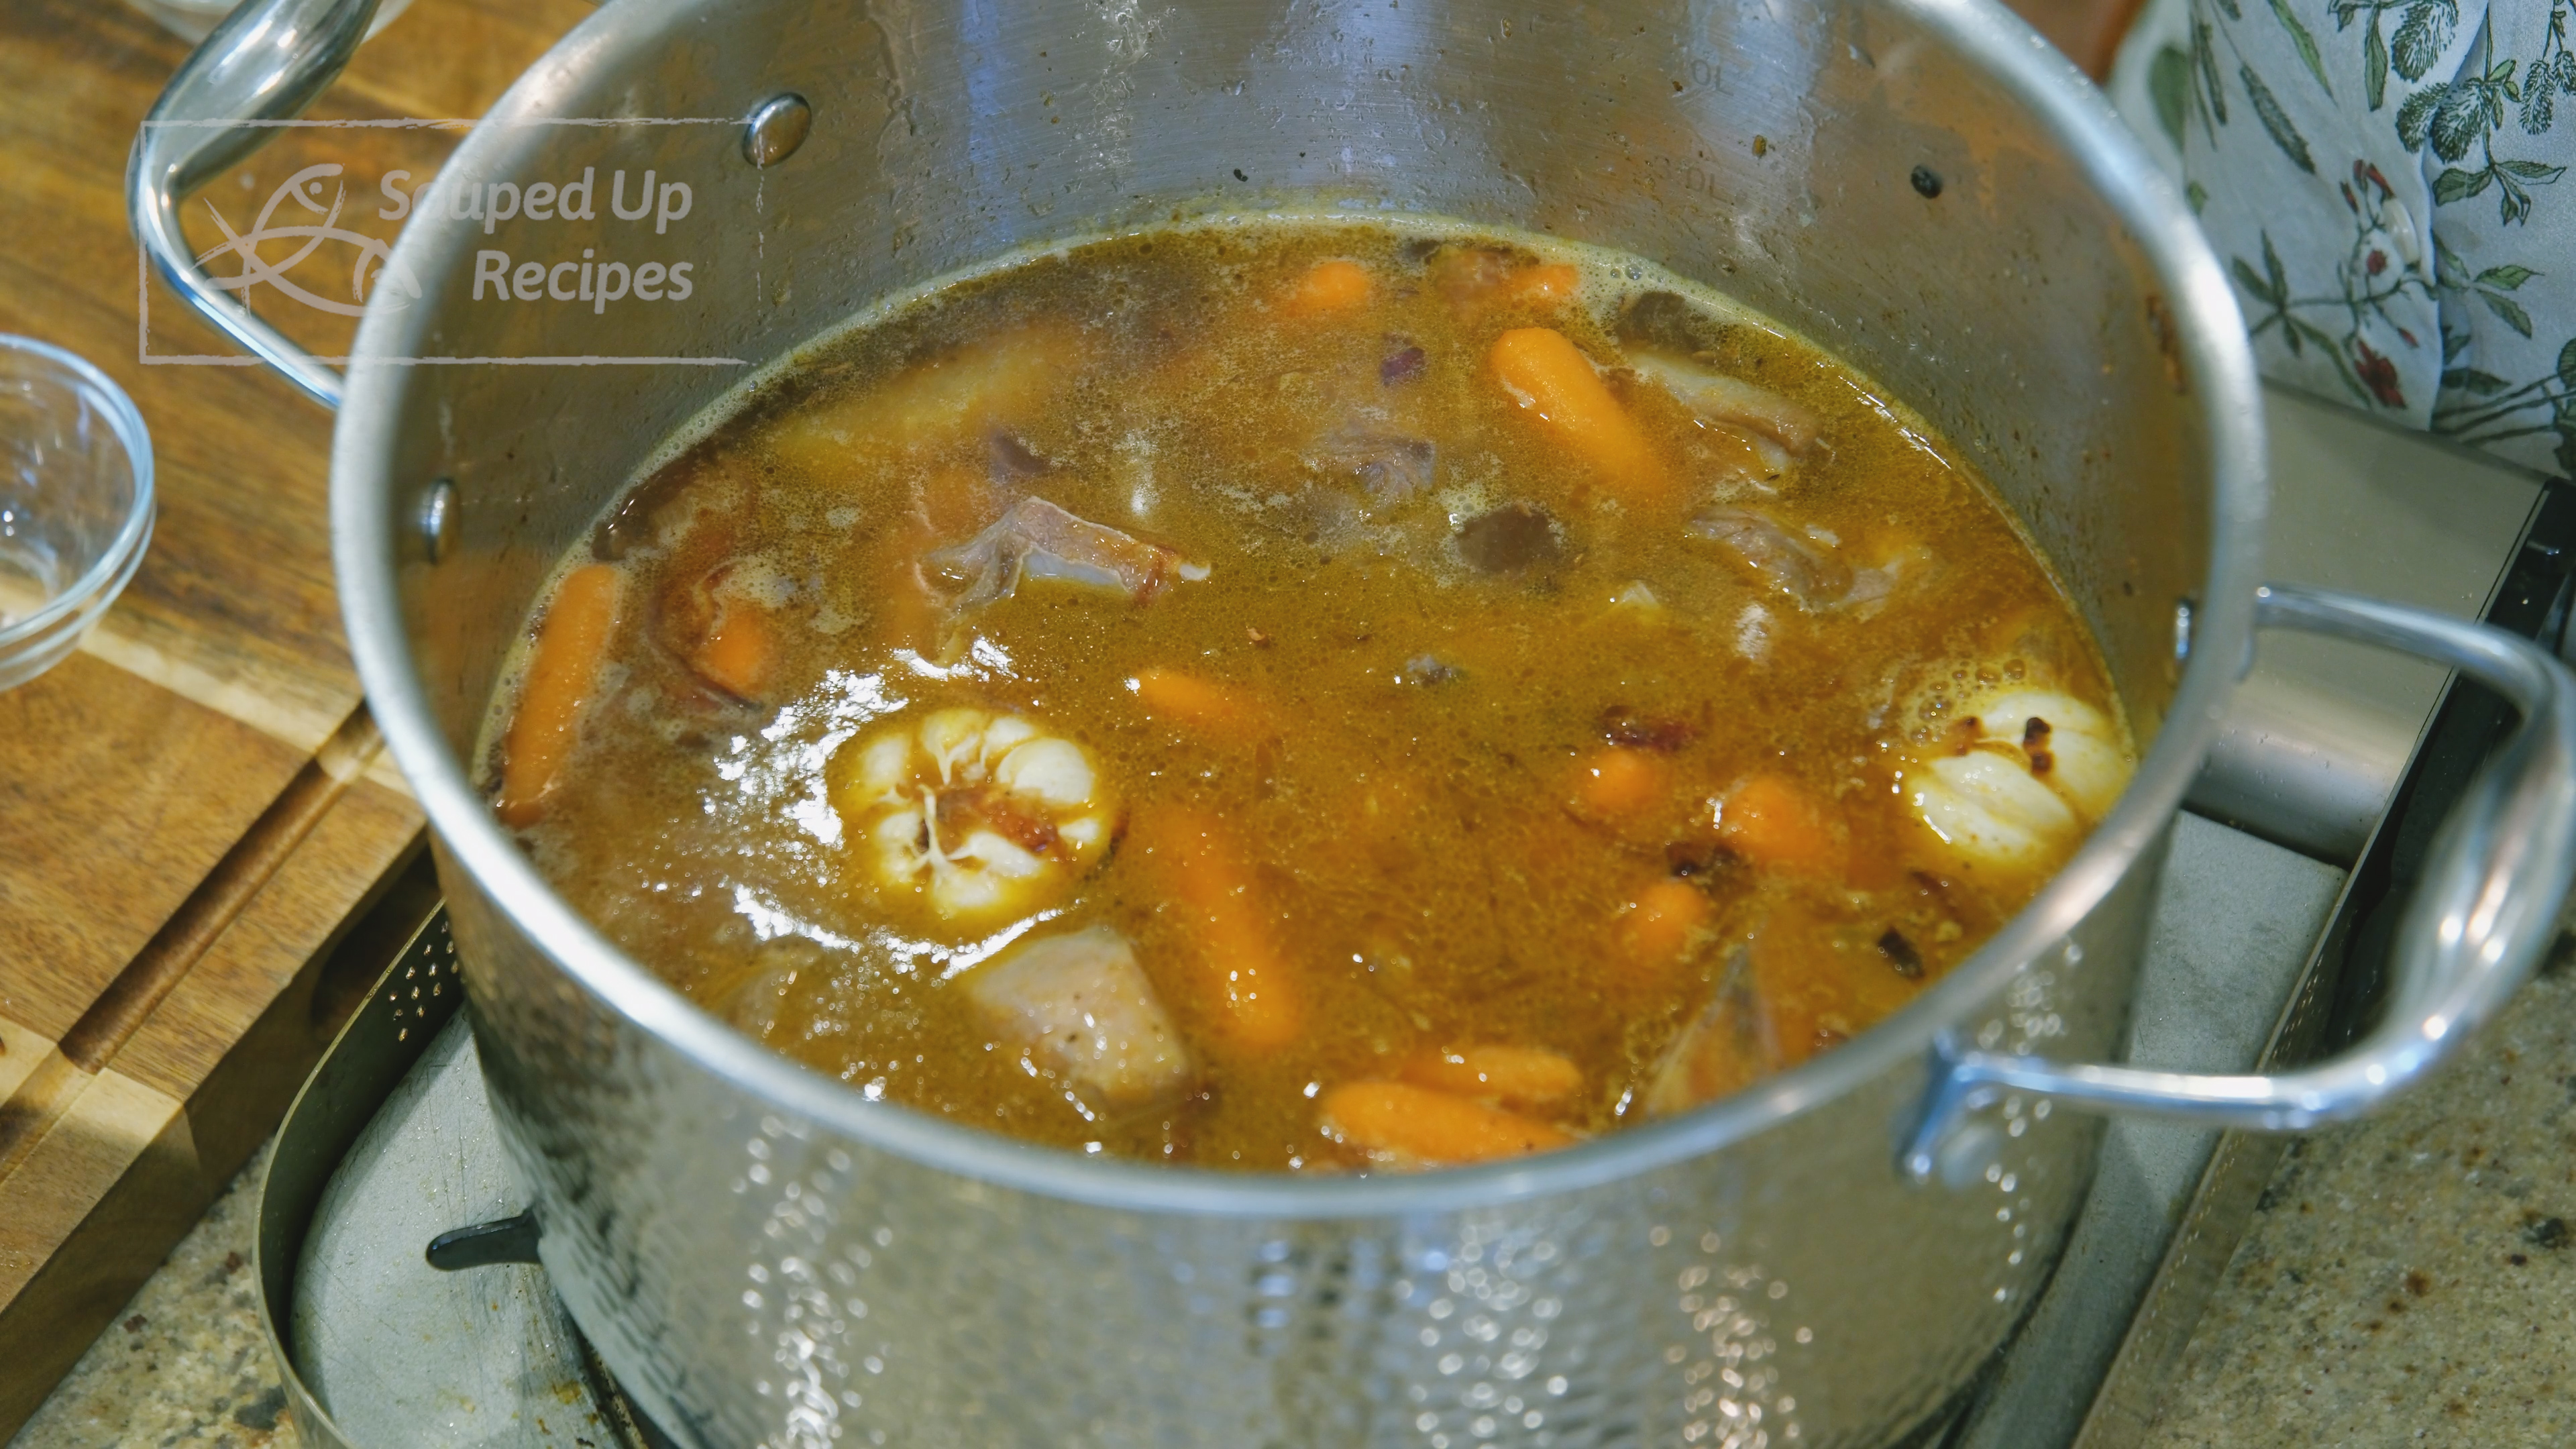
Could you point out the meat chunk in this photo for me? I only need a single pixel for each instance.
(1392, 467)
(1668, 321)
(1803, 568)
(1730, 402)
(1037, 539)
(1807, 567)
(1080, 1007)
(1630, 730)
(1473, 278)
(987, 383)
(1468, 275)
(1508, 539)
(1013, 461)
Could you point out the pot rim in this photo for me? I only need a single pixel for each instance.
(2216, 359)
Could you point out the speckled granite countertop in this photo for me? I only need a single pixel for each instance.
(185, 1367)
(2412, 1278)
(2409, 1279)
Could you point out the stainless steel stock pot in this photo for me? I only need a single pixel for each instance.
(761, 1255)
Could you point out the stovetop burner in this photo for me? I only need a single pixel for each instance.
(457, 1344)
(393, 1325)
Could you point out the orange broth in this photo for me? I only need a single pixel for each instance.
(1496, 730)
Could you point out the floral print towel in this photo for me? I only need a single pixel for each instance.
(2385, 180)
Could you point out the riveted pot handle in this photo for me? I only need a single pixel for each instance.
(264, 64)
(2485, 910)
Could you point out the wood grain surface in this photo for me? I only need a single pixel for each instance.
(203, 854)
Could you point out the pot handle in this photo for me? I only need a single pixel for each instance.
(2486, 908)
(262, 66)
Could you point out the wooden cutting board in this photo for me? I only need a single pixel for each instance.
(203, 854)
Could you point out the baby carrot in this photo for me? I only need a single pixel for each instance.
(1772, 822)
(1248, 991)
(1329, 286)
(1662, 926)
(1416, 1126)
(740, 651)
(1620, 784)
(562, 670)
(1517, 1075)
(1540, 285)
(1551, 378)
(1202, 706)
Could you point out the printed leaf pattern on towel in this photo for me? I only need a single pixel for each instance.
(2485, 410)
(2194, 80)
(2306, 43)
(2468, 112)
(2386, 181)
(2423, 28)
(2379, 268)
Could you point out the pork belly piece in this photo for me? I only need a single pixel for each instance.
(1080, 1007)
(1804, 568)
(1038, 540)
(1510, 539)
(1730, 401)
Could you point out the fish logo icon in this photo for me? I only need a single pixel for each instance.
(375, 263)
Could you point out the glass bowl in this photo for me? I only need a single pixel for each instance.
(194, 20)
(75, 502)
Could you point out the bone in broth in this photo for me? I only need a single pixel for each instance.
(1306, 696)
